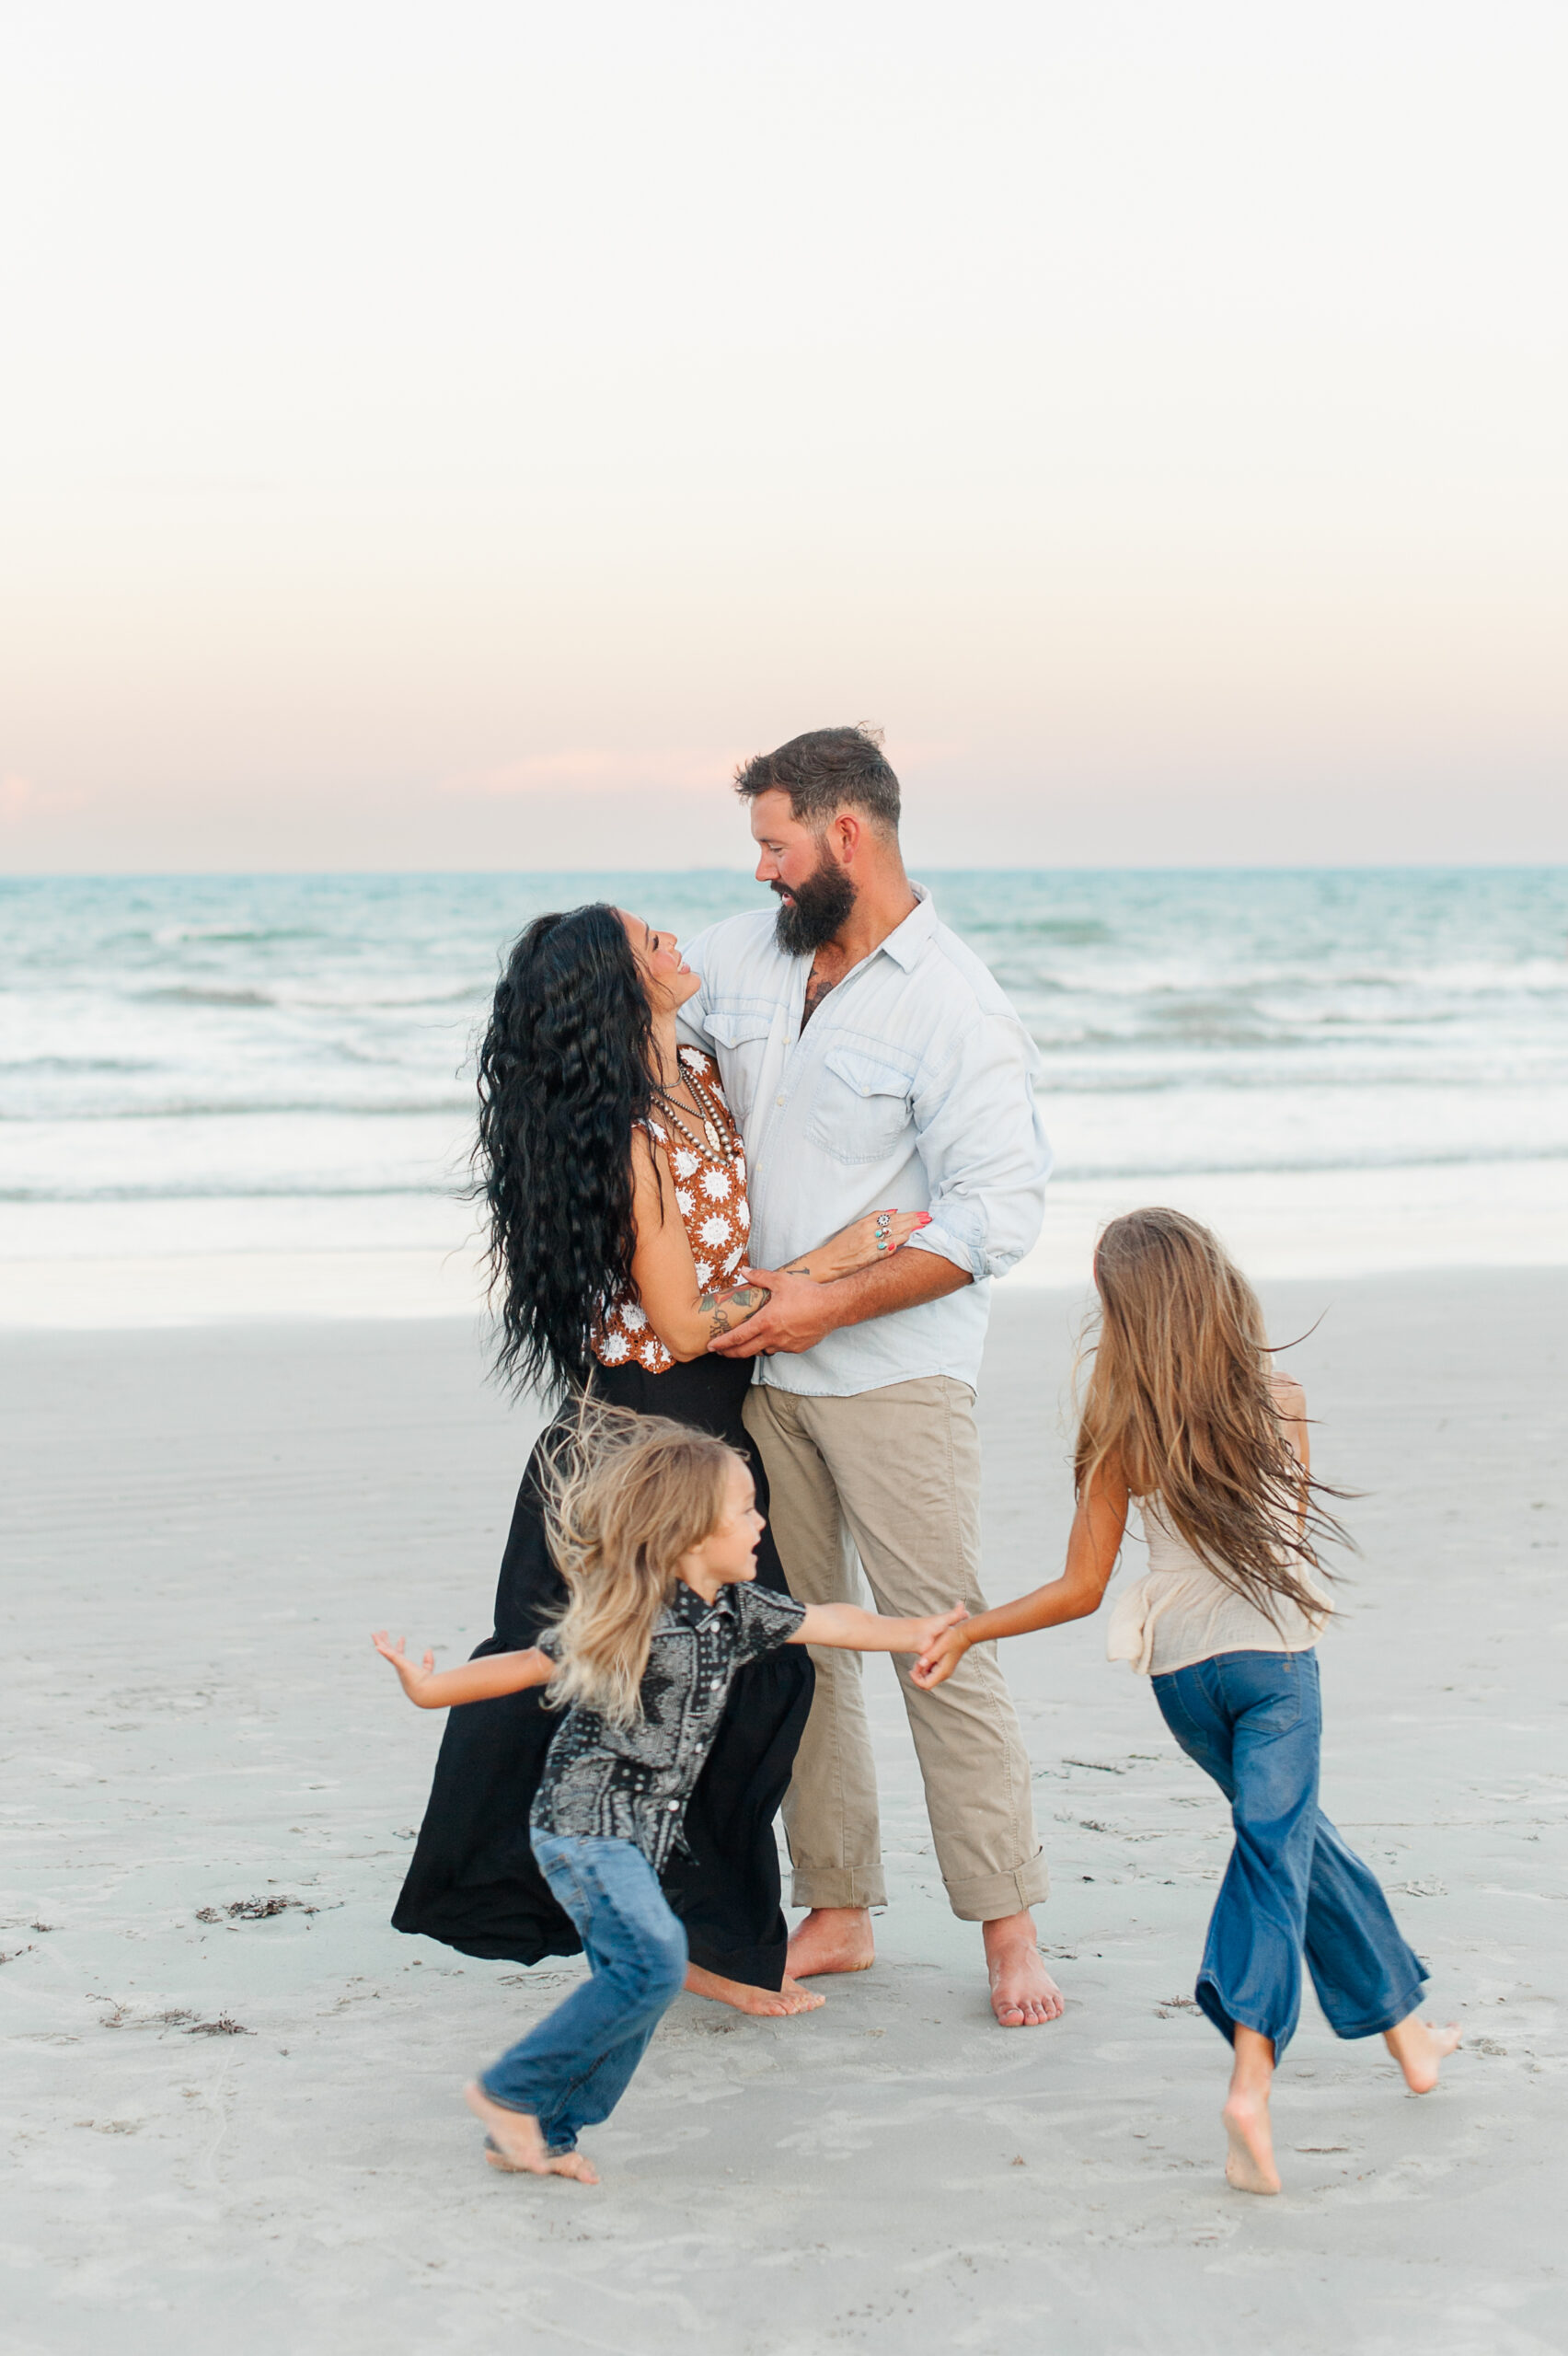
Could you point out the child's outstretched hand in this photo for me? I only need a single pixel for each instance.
(413, 1679)
(942, 1653)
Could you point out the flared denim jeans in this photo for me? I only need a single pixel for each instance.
(1253, 1721)
(572, 2070)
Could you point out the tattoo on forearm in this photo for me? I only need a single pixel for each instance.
(724, 1310)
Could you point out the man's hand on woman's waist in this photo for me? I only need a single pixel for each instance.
(799, 1313)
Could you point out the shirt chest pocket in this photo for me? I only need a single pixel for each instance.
(861, 1110)
(741, 1034)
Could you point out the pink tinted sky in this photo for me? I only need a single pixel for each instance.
(451, 437)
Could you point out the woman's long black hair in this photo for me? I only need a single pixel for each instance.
(564, 1078)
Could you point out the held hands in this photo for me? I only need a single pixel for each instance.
(414, 1680)
(942, 1655)
(930, 1634)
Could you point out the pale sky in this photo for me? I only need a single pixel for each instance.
(450, 435)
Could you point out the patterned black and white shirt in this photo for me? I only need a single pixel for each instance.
(631, 1782)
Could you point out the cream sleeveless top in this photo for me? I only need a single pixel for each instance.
(1179, 1613)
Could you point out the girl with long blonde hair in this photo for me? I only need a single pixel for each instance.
(1184, 1415)
(654, 1530)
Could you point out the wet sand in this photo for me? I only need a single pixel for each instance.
(247, 2127)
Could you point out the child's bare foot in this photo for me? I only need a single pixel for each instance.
(1250, 2165)
(1420, 2047)
(762, 2003)
(573, 2164)
(1023, 1994)
(516, 2146)
(832, 1938)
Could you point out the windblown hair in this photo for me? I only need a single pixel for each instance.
(1179, 1403)
(625, 1497)
(824, 770)
(563, 1080)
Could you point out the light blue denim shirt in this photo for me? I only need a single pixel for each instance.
(911, 1089)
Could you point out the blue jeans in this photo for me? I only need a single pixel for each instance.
(572, 2070)
(1253, 1721)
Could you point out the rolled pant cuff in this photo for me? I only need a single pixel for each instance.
(553, 2150)
(987, 1897)
(1379, 2023)
(837, 1886)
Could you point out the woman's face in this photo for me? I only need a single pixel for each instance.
(667, 978)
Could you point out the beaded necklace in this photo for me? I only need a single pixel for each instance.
(714, 1127)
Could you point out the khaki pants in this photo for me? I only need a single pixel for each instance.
(893, 1475)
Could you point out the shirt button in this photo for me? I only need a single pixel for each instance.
(674, 1805)
(781, 1100)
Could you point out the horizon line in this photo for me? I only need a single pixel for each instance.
(1076, 867)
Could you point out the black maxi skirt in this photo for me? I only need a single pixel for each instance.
(473, 1883)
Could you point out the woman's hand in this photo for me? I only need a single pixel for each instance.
(859, 1245)
(940, 1655)
(414, 1680)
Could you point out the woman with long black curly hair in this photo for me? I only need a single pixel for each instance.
(614, 1181)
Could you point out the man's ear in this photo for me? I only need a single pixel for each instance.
(845, 833)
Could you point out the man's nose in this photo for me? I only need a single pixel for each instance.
(766, 868)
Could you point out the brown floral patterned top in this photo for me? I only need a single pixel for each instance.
(710, 1196)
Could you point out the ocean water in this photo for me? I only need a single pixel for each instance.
(227, 1063)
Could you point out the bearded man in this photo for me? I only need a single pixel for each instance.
(874, 1066)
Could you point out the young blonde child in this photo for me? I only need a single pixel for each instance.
(654, 1528)
(1184, 1416)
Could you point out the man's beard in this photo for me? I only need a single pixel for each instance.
(820, 907)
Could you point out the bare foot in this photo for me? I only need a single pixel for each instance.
(832, 1938)
(1420, 2048)
(1023, 1994)
(762, 2003)
(516, 2146)
(1250, 2166)
(575, 2165)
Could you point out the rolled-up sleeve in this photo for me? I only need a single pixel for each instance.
(983, 1144)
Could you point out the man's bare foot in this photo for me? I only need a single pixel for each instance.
(762, 2003)
(1420, 2047)
(516, 2145)
(1023, 1994)
(832, 1938)
(1250, 2165)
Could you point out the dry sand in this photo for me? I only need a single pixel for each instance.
(247, 2132)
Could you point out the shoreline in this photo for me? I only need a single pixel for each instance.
(167, 1262)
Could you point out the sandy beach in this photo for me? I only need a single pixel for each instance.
(232, 2091)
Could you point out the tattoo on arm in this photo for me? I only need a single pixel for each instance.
(799, 1268)
(724, 1310)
